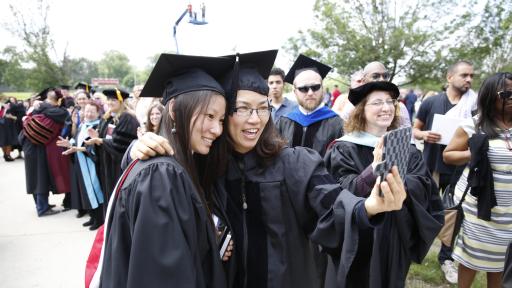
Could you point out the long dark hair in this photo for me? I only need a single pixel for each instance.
(487, 97)
(202, 169)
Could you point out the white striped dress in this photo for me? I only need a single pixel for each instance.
(481, 245)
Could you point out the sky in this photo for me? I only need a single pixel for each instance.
(141, 29)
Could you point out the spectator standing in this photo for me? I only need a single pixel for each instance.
(410, 99)
(485, 233)
(459, 101)
(281, 105)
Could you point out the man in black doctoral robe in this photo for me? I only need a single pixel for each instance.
(311, 124)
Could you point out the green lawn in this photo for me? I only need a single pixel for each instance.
(429, 274)
(18, 95)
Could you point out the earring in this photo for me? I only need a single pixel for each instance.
(173, 130)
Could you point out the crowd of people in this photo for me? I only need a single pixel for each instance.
(293, 183)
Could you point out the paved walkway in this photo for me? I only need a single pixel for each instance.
(38, 252)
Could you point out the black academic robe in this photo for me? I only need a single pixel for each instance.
(12, 128)
(160, 234)
(316, 136)
(111, 152)
(39, 178)
(385, 253)
(284, 202)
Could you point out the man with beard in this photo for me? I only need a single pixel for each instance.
(311, 124)
(458, 101)
(281, 105)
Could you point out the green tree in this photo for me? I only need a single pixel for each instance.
(409, 37)
(12, 74)
(34, 32)
(488, 41)
(80, 69)
(114, 64)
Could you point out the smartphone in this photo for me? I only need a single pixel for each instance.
(224, 239)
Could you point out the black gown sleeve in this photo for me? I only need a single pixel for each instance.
(422, 216)
(152, 241)
(349, 171)
(122, 136)
(315, 194)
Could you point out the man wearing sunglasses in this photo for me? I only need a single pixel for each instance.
(311, 124)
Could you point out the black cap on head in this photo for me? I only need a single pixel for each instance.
(115, 93)
(85, 86)
(65, 87)
(43, 94)
(356, 95)
(177, 74)
(303, 63)
(251, 71)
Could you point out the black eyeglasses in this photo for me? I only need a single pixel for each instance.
(505, 95)
(377, 76)
(305, 89)
(247, 112)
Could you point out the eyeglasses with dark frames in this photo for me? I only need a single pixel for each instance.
(243, 111)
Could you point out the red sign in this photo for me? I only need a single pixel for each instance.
(104, 81)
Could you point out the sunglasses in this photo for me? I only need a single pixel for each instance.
(505, 95)
(305, 89)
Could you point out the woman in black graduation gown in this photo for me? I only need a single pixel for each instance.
(385, 253)
(273, 196)
(160, 231)
(117, 129)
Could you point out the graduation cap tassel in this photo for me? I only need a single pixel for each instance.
(235, 82)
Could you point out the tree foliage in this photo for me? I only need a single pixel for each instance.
(37, 64)
(488, 41)
(409, 37)
(35, 34)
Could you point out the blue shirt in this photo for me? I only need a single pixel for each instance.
(286, 107)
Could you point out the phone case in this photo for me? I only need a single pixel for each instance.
(396, 152)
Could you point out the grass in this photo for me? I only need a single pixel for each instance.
(429, 274)
(18, 95)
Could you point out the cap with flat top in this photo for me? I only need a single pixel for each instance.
(356, 95)
(174, 75)
(116, 93)
(65, 87)
(84, 86)
(249, 73)
(303, 63)
(43, 94)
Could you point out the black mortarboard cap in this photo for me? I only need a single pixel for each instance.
(65, 87)
(251, 71)
(43, 94)
(177, 74)
(84, 86)
(116, 94)
(356, 95)
(303, 63)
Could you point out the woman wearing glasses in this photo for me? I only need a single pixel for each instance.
(485, 232)
(384, 253)
(273, 196)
